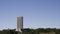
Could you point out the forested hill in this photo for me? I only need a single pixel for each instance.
(32, 31)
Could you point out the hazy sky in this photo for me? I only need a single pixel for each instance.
(36, 13)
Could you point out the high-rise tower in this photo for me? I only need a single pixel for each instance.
(19, 24)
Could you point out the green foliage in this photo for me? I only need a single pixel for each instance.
(8, 32)
(40, 30)
(31, 31)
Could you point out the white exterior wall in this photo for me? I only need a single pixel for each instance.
(19, 23)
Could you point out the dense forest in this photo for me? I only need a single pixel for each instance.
(30, 31)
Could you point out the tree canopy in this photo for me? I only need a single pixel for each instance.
(31, 31)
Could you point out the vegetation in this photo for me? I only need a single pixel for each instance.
(31, 31)
(8, 31)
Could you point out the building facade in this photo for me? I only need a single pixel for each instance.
(19, 24)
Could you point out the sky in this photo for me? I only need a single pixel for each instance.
(36, 13)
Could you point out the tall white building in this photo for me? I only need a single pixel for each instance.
(19, 24)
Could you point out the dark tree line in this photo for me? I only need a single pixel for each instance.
(31, 31)
(39, 30)
(8, 31)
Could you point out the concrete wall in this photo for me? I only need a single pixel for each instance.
(19, 23)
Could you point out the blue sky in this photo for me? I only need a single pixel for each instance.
(36, 13)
